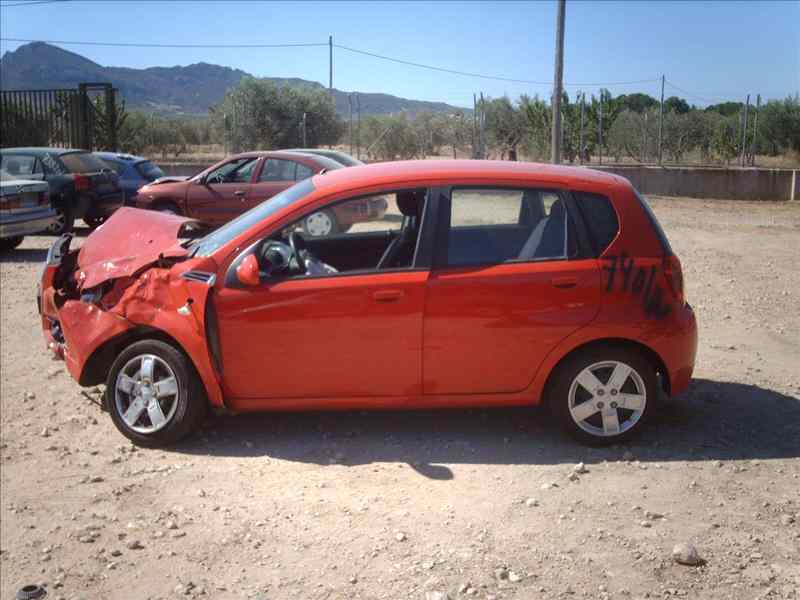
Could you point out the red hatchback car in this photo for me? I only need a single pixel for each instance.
(238, 183)
(486, 284)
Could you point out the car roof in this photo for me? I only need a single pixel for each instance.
(430, 171)
(120, 156)
(337, 155)
(39, 151)
(322, 161)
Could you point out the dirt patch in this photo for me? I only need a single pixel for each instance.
(396, 505)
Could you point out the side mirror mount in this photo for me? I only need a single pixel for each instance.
(248, 272)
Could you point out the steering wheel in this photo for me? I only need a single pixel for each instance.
(297, 243)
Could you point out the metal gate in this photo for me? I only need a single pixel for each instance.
(64, 118)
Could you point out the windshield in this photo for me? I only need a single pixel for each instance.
(223, 235)
(149, 171)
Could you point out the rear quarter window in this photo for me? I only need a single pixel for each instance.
(600, 217)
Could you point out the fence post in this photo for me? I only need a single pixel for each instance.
(84, 135)
(111, 117)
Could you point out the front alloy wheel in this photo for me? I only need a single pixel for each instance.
(603, 395)
(154, 394)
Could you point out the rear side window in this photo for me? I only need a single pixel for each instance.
(600, 217)
(492, 226)
(117, 166)
(82, 162)
(149, 171)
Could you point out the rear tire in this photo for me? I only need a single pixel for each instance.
(8, 244)
(154, 395)
(65, 219)
(603, 395)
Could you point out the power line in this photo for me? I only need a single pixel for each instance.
(481, 75)
(709, 99)
(3, 5)
(145, 45)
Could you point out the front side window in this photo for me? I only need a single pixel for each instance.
(277, 170)
(239, 170)
(492, 226)
(354, 235)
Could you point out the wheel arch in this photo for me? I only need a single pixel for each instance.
(651, 355)
(99, 362)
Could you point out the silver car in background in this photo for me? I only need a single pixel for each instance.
(25, 209)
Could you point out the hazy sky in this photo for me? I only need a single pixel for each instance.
(713, 50)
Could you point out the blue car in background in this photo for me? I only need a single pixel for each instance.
(133, 171)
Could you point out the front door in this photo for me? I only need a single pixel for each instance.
(507, 287)
(222, 194)
(354, 331)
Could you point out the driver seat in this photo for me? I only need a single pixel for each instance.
(400, 250)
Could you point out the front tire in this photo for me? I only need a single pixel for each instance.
(154, 394)
(603, 395)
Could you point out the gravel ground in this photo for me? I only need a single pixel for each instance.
(430, 505)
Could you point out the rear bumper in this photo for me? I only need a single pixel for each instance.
(27, 223)
(680, 351)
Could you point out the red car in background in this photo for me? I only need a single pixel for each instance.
(240, 182)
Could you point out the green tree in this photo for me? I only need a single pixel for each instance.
(673, 104)
(257, 114)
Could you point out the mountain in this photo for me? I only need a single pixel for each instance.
(188, 90)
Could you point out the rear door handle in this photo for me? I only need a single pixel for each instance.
(564, 282)
(387, 295)
(239, 193)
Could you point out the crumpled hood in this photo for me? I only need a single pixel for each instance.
(129, 241)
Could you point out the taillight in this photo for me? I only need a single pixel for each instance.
(674, 275)
(82, 182)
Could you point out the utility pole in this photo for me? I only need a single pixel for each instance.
(481, 132)
(330, 65)
(350, 103)
(600, 127)
(755, 131)
(358, 126)
(583, 115)
(744, 131)
(558, 80)
(303, 122)
(661, 122)
(474, 125)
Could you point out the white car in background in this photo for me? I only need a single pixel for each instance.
(24, 210)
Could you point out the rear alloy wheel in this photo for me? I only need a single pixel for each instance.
(602, 396)
(153, 394)
(65, 220)
(320, 223)
(8, 244)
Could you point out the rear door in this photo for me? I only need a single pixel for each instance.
(274, 176)
(509, 283)
(222, 194)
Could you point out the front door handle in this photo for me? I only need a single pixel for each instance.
(387, 295)
(239, 193)
(564, 282)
